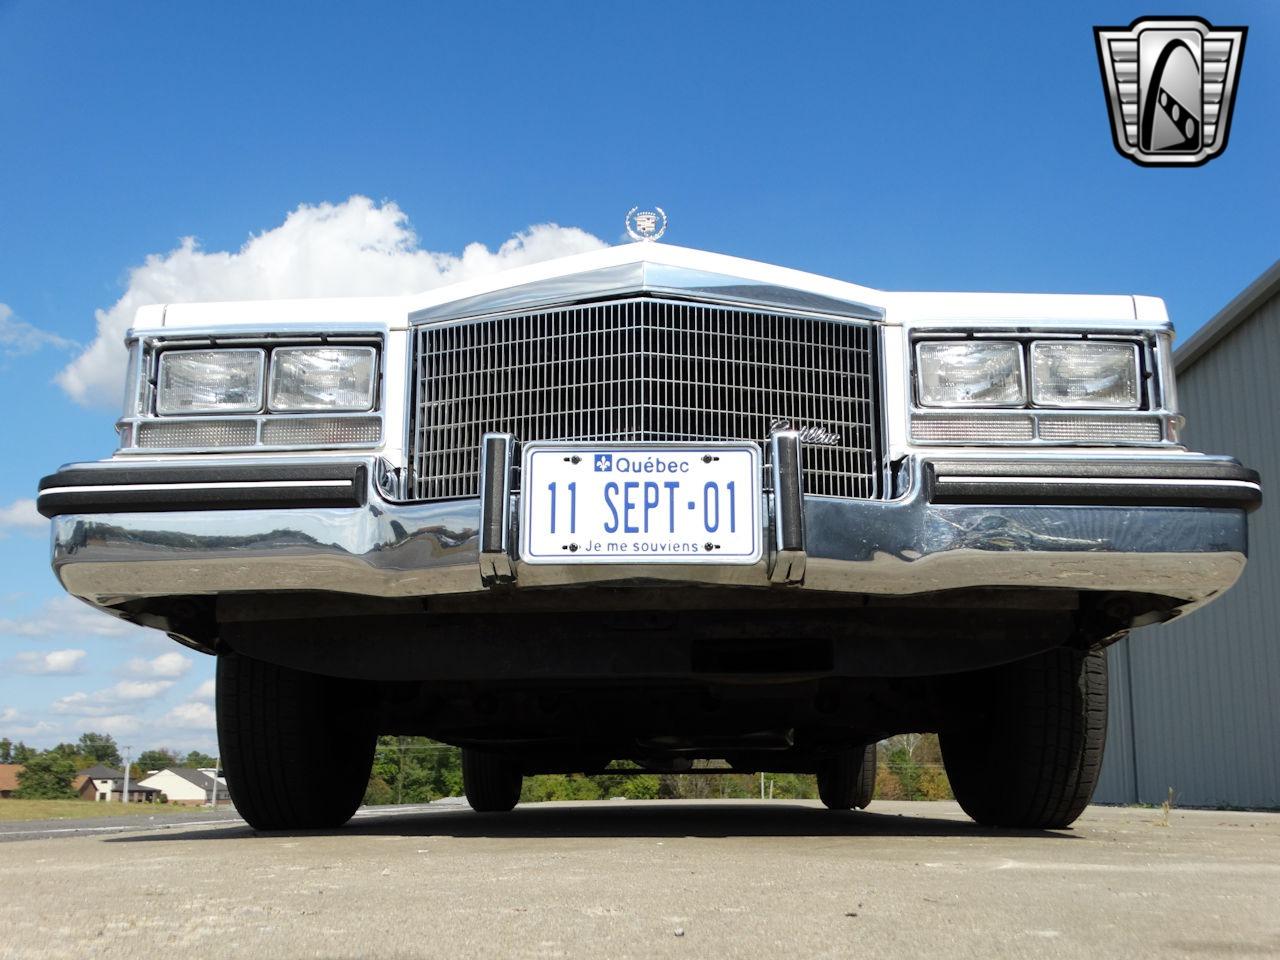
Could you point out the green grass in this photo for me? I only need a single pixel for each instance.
(11, 809)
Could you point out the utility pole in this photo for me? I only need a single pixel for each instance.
(761, 784)
(125, 795)
(213, 794)
(400, 773)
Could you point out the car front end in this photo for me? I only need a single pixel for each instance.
(653, 504)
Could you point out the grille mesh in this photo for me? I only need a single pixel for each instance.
(642, 370)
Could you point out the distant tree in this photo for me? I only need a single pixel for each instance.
(888, 786)
(378, 792)
(47, 776)
(911, 769)
(6, 750)
(559, 786)
(22, 753)
(197, 759)
(157, 759)
(99, 748)
(413, 770)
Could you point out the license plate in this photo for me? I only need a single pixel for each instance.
(640, 503)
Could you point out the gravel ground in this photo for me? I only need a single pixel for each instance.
(657, 879)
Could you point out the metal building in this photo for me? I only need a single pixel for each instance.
(1195, 704)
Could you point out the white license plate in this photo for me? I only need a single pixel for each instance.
(640, 503)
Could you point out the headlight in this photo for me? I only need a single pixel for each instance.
(209, 381)
(1084, 374)
(970, 373)
(322, 378)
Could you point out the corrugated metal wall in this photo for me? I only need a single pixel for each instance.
(1195, 704)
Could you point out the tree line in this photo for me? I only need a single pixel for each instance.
(418, 770)
(49, 774)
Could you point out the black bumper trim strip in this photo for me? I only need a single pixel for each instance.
(223, 487)
(1109, 483)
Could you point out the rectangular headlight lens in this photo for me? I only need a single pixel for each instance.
(209, 381)
(322, 378)
(1089, 373)
(970, 373)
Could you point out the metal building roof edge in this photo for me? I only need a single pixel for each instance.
(1229, 317)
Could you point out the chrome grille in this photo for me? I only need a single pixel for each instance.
(643, 369)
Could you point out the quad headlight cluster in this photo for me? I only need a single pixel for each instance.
(295, 380)
(251, 395)
(1080, 374)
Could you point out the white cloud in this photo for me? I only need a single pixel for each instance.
(117, 724)
(67, 616)
(191, 716)
(22, 515)
(16, 726)
(206, 690)
(107, 703)
(55, 662)
(171, 665)
(354, 248)
(17, 337)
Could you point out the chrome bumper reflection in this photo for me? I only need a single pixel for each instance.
(896, 547)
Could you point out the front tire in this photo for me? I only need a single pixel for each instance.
(491, 781)
(848, 779)
(296, 747)
(1025, 746)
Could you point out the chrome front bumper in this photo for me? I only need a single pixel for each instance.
(916, 543)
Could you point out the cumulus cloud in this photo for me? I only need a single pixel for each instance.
(169, 665)
(206, 690)
(17, 337)
(108, 702)
(117, 724)
(53, 663)
(354, 248)
(15, 725)
(21, 515)
(191, 716)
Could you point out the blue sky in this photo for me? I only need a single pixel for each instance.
(907, 146)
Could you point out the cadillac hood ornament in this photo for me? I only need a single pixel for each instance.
(646, 224)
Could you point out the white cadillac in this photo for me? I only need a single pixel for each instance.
(658, 505)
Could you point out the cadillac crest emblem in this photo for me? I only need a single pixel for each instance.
(646, 224)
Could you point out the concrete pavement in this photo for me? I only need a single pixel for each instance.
(656, 879)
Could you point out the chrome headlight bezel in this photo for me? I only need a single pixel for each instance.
(148, 428)
(1151, 421)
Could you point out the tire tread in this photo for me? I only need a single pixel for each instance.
(277, 728)
(1033, 756)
